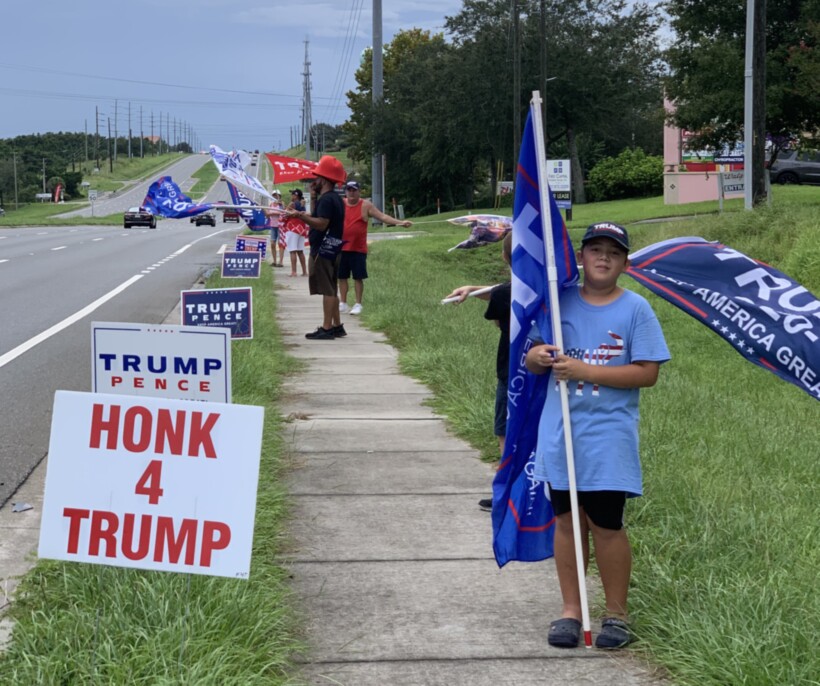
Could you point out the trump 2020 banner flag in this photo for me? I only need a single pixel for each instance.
(766, 316)
(166, 199)
(522, 514)
(254, 218)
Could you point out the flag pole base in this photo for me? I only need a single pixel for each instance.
(588, 639)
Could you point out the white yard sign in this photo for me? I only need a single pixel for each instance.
(152, 483)
(185, 362)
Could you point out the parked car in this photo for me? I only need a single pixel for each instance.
(138, 216)
(204, 218)
(796, 166)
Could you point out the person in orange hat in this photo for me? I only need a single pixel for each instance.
(326, 223)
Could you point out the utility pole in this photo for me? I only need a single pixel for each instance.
(97, 136)
(142, 135)
(14, 162)
(167, 131)
(153, 142)
(307, 114)
(542, 31)
(376, 166)
(129, 129)
(110, 158)
(116, 135)
(44, 175)
(516, 47)
(86, 141)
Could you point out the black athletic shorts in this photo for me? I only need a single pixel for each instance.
(604, 508)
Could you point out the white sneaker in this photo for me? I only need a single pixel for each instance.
(343, 308)
(357, 309)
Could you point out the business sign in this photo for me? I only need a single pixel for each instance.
(151, 483)
(559, 177)
(184, 362)
(731, 183)
(241, 265)
(252, 243)
(228, 307)
(504, 188)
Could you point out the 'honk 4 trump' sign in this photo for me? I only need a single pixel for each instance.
(152, 483)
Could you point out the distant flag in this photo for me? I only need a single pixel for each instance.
(286, 169)
(231, 168)
(165, 198)
(484, 229)
(522, 514)
(766, 316)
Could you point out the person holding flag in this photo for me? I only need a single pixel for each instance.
(612, 346)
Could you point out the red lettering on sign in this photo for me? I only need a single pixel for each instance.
(204, 386)
(171, 430)
(116, 380)
(182, 385)
(169, 541)
(211, 542)
(139, 428)
(110, 426)
(149, 482)
(201, 434)
(160, 384)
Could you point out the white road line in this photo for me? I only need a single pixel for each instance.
(1, 261)
(94, 240)
(68, 321)
(62, 247)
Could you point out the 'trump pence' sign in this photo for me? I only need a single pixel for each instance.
(152, 483)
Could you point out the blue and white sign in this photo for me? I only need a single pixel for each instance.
(228, 307)
(559, 178)
(241, 265)
(183, 362)
(252, 243)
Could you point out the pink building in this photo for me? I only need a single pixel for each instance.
(691, 175)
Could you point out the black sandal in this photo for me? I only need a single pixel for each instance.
(614, 634)
(564, 633)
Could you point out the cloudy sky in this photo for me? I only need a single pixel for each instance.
(230, 69)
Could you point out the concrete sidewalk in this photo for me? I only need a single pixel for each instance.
(392, 556)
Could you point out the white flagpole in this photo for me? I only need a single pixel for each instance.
(558, 340)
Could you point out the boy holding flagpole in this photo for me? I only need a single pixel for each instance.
(612, 346)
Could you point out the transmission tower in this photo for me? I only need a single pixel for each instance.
(307, 114)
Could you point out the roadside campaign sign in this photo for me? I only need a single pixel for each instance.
(152, 483)
(241, 265)
(229, 307)
(252, 243)
(185, 362)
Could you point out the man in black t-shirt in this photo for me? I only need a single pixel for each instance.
(326, 223)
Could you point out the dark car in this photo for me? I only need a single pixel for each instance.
(204, 218)
(138, 216)
(796, 166)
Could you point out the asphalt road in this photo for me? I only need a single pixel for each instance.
(134, 195)
(54, 281)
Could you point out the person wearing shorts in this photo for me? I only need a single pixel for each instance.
(358, 212)
(295, 241)
(326, 224)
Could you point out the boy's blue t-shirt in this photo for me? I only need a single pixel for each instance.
(604, 420)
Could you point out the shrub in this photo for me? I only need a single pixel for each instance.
(632, 174)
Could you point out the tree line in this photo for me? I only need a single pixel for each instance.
(36, 163)
(453, 107)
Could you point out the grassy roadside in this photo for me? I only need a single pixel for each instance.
(726, 556)
(725, 540)
(84, 624)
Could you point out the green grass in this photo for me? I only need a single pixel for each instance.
(726, 554)
(87, 624)
(724, 583)
(205, 178)
(125, 171)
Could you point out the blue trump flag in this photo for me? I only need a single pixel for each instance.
(165, 198)
(766, 316)
(522, 515)
(254, 218)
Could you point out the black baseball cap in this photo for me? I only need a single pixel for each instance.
(354, 185)
(607, 230)
(298, 192)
